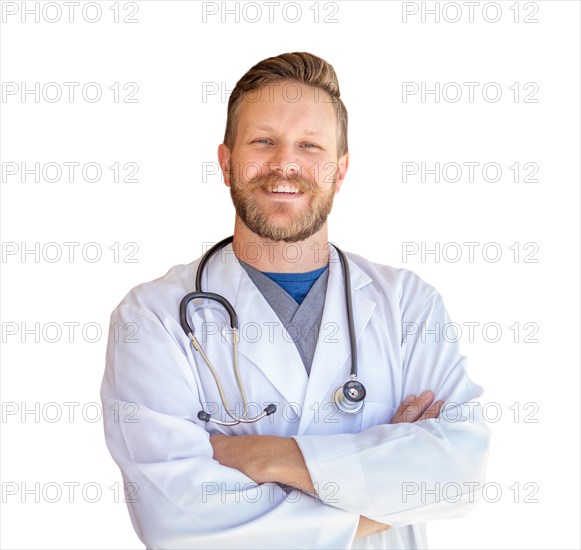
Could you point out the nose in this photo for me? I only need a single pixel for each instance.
(291, 171)
(284, 163)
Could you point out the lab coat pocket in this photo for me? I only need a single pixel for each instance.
(375, 413)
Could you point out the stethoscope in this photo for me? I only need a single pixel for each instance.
(348, 398)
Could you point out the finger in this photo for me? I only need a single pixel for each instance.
(416, 409)
(397, 417)
(432, 412)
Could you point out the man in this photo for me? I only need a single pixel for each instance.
(309, 475)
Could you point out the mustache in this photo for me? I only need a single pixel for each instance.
(273, 179)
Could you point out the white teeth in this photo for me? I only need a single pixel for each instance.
(285, 189)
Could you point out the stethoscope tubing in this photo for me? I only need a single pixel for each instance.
(342, 396)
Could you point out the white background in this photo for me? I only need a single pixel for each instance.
(172, 130)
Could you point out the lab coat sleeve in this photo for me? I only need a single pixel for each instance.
(409, 473)
(178, 496)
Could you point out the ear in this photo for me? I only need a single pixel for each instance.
(224, 161)
(343, 165)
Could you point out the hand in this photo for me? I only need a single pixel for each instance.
(367, 527)
(419, 408)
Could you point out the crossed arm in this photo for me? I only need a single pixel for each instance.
(266, 458)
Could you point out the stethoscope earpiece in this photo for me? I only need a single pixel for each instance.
(207, 417)
(204, 416)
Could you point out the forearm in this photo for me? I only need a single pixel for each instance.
(265, 458)
(282, 462)
(383, 472)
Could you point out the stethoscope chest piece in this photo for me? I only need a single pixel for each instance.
(349, 398)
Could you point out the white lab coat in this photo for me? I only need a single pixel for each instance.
(155, 384)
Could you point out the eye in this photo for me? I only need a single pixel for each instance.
(262, 141)
(309, 145)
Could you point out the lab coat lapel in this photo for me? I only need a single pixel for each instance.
(262, 337)
(332, 361)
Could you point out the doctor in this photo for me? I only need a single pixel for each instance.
(309, 475)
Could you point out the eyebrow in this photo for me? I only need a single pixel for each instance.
(267, 128)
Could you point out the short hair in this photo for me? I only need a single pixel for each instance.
(301, 67)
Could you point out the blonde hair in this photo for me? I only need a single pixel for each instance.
(306, 68)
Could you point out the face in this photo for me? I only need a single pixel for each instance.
(283, 171)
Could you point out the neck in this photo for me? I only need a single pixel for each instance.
(279, 256)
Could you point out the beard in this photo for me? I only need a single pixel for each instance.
(300, 225)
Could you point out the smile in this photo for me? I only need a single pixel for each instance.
(284, 189)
